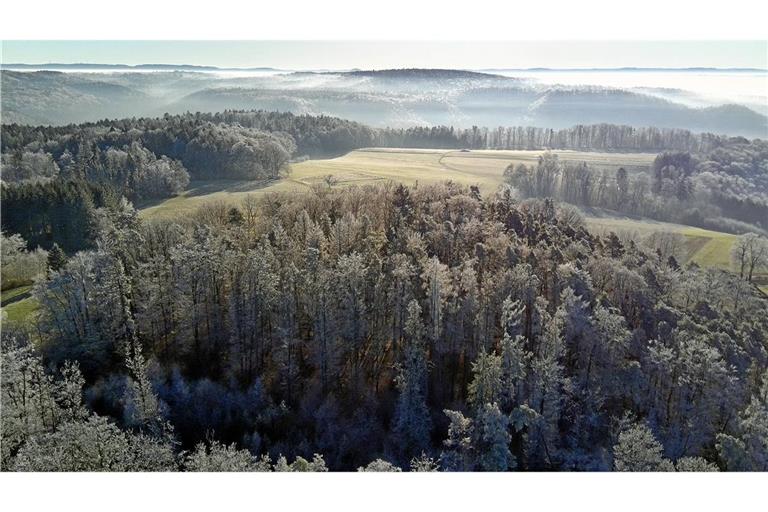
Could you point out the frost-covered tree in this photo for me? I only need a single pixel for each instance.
(69, 392)
(325, 347)
(748, 254)
(515, 359)
(251, 303)
(412, 424)
(458, 452)
(352, 284)
(491, 439)
(93, 445)
(46, 426)
(162, 177)
(20, 267)
(638, 450)
(548, 382)
(424, 464)
(87, 306)
(486, 385)
(301, 465)
(379, 466)
(694, 465)
(437, 287)
(29, 406)
(690, 391)
(748, 450)
(142, 406)
(217, 457)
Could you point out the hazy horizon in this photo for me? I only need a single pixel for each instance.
(338, 55)
(693, 87)
(153, 67)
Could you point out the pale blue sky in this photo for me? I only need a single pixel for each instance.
(381, 54)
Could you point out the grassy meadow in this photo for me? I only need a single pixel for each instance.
(18, 305)
(366, 166)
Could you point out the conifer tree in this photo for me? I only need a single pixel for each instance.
(412, 424)
(56, 258)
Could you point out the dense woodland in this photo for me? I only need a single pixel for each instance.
(379, 328)
(384, 328)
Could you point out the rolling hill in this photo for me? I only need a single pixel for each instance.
(395, 98)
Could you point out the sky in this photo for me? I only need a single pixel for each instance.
(397, 54)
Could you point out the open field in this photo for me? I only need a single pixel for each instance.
(482, 168)
(705, 247)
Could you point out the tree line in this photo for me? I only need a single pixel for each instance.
(384, 328)
(598, 137)
(725, 189)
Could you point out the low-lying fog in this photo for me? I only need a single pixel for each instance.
(694, 88)
(730, 102)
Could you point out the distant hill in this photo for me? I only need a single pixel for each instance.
(390, 97)
(50, 97)
(431, 74)
(126, 67)
(630, 70)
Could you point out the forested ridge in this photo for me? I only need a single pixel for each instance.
(383, 328)
(398, 98)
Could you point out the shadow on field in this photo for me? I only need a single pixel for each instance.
(15, 298)
(203, 188)
(602, 213)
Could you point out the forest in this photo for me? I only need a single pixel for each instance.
(379, 327)
(383, 328)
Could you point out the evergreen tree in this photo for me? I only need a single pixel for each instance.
(412, 424)
(486, 385)
(491, 439)
(56, 258)
(458, 453)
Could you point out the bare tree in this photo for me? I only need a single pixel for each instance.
(750, 253)
(330, 180)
